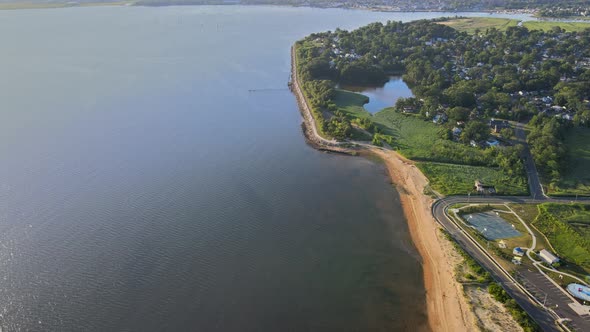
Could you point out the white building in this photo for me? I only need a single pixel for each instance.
(548, 257)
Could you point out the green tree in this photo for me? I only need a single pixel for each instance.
(507, 133)
(459, 113)
(476, 131)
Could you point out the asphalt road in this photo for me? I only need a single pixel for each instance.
(535, 186)
(534, 279)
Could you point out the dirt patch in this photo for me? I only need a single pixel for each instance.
(490, 314)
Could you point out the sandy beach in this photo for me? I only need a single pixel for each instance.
(446, 305)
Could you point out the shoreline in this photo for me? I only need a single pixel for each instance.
(16, 5)
(446, 306)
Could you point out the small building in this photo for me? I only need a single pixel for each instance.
(517, 260)
(548, 257)
(518, 251)
(457, 131)
(484, 189)
(409, 109)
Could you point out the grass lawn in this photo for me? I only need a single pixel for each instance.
(470, 24)
(450, 179)
(528, 213)
(351, 103)
(547, 25)
(567, 227)
(414, 137)
(576, 179)
(421, 140)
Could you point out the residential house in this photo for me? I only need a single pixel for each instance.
(498, 125)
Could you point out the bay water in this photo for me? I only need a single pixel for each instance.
(154, 177)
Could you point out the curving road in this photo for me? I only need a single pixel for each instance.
(544, 317)
(553, 306)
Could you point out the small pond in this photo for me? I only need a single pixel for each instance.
(383, 96)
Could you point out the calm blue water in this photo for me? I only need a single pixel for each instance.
(145, 187)
(381, 97)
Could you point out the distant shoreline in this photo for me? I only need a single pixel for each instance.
(73, 4)
(58, 5)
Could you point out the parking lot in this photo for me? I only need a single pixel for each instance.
(549, 294)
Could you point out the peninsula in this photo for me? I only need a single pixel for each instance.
(476, 95)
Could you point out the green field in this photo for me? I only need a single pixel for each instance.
(449, 179)
(351, 103)
(421, 140)
(414, 136)
(567, 226)
(547, 25)
(576, 179)
(528, 213)
(470, 24)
